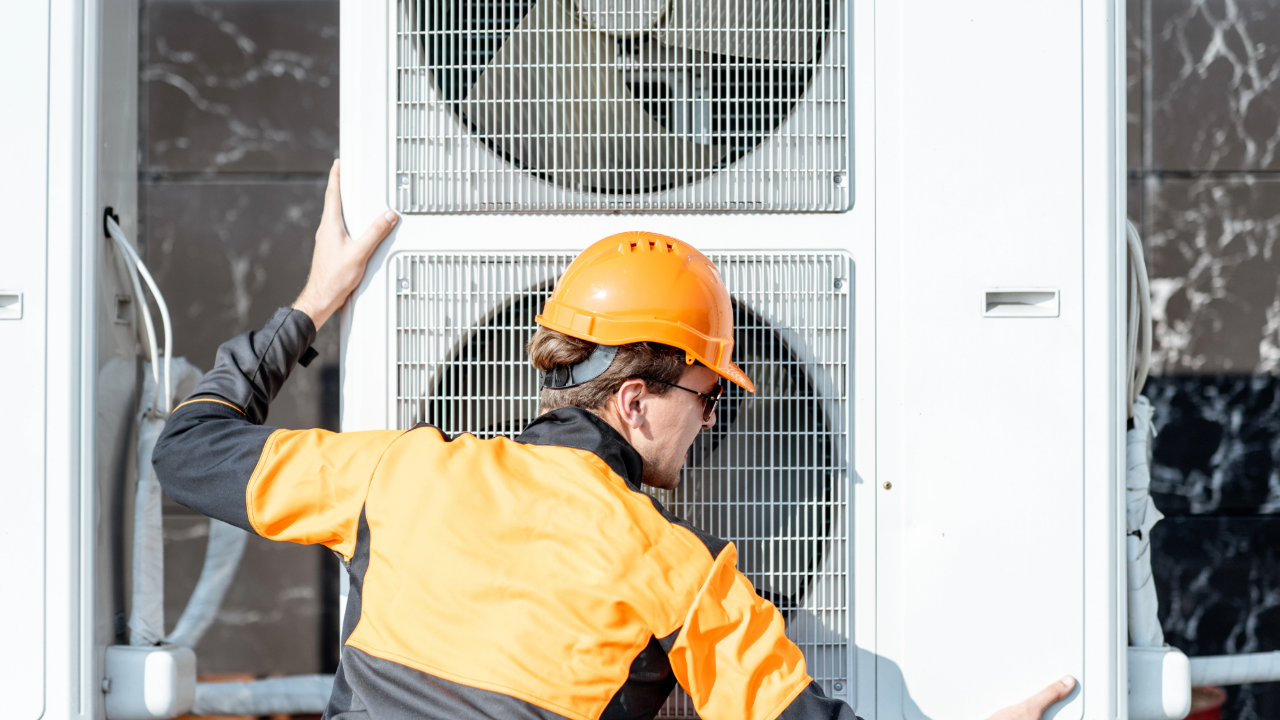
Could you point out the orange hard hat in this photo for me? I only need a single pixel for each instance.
(644, 287)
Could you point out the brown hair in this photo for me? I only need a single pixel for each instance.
(654, 363)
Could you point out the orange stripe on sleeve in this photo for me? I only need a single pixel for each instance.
(212, 400)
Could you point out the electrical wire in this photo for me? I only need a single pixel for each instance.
(1139, 306)
(145, 314)
(123, 243)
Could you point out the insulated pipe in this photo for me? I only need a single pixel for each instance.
(146, 620)
(273, 696)
(221, 558)
(1235, 669)
(1140, 511)
(1141, 515)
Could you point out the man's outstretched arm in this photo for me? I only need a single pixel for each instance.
(216, 456)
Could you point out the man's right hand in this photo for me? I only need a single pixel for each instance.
(1033, 707)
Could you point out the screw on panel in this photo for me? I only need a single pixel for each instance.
(404, 284)
(888, 485)
(839, 283)
(838, 686)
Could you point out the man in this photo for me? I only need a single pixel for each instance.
(515, 579)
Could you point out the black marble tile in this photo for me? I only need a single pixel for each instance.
(1218, 580)
(1215, 274)
(272, 618)
(1215, 84)
(1135, 207)
(226, 255)
(240, 86)
(1133, 73)
(1217, 448)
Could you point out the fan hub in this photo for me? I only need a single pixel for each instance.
(623, 18)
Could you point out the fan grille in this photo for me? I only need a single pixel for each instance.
(565, 106)
(772, 476)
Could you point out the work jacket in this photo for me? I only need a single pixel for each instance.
(504, 579)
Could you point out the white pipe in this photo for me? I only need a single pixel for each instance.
(118, 235)
(273, 696)
(221, 559)
(1140, 511)
(1235, 669)
(1141, 515)
(146, 619)
(141, 310)
(1140, 332)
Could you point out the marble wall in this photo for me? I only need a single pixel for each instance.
(239, 124)
(1204, 169)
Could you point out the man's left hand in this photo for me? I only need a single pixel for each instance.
(338, 261)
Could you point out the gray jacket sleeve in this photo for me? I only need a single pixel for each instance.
(212, 442)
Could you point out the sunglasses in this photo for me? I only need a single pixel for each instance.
(709, 401)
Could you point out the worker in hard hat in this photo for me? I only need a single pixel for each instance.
(525, 578)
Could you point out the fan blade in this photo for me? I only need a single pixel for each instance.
(552, 100)
(777, 30)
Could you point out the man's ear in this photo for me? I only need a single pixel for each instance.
(628, 402)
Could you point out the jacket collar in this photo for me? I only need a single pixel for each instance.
(576, 428)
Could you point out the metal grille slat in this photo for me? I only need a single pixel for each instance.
(772, 476)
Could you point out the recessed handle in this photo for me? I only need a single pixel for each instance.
(1020, 302)
(10, 305)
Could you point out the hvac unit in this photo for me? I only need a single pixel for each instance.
(918, 210)
(915, 207)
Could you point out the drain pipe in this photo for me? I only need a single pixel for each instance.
(1159, 675)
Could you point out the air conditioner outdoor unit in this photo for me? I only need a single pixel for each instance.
(926, 482)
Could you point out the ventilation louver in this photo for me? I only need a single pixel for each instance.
(621, 104)
(771, 476)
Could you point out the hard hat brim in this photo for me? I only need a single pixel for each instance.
(734, 374)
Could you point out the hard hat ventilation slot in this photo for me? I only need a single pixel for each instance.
(772, 475)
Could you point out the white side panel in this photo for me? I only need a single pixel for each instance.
(22, 356)
(981, 528)
(1104, 259)
(113, 331)
(367, 84)
(71, 688)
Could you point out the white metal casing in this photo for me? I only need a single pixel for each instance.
(987, 449)
(68, 370)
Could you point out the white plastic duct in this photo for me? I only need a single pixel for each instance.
(1235, 669)
(1159, 684)
(273, 696)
